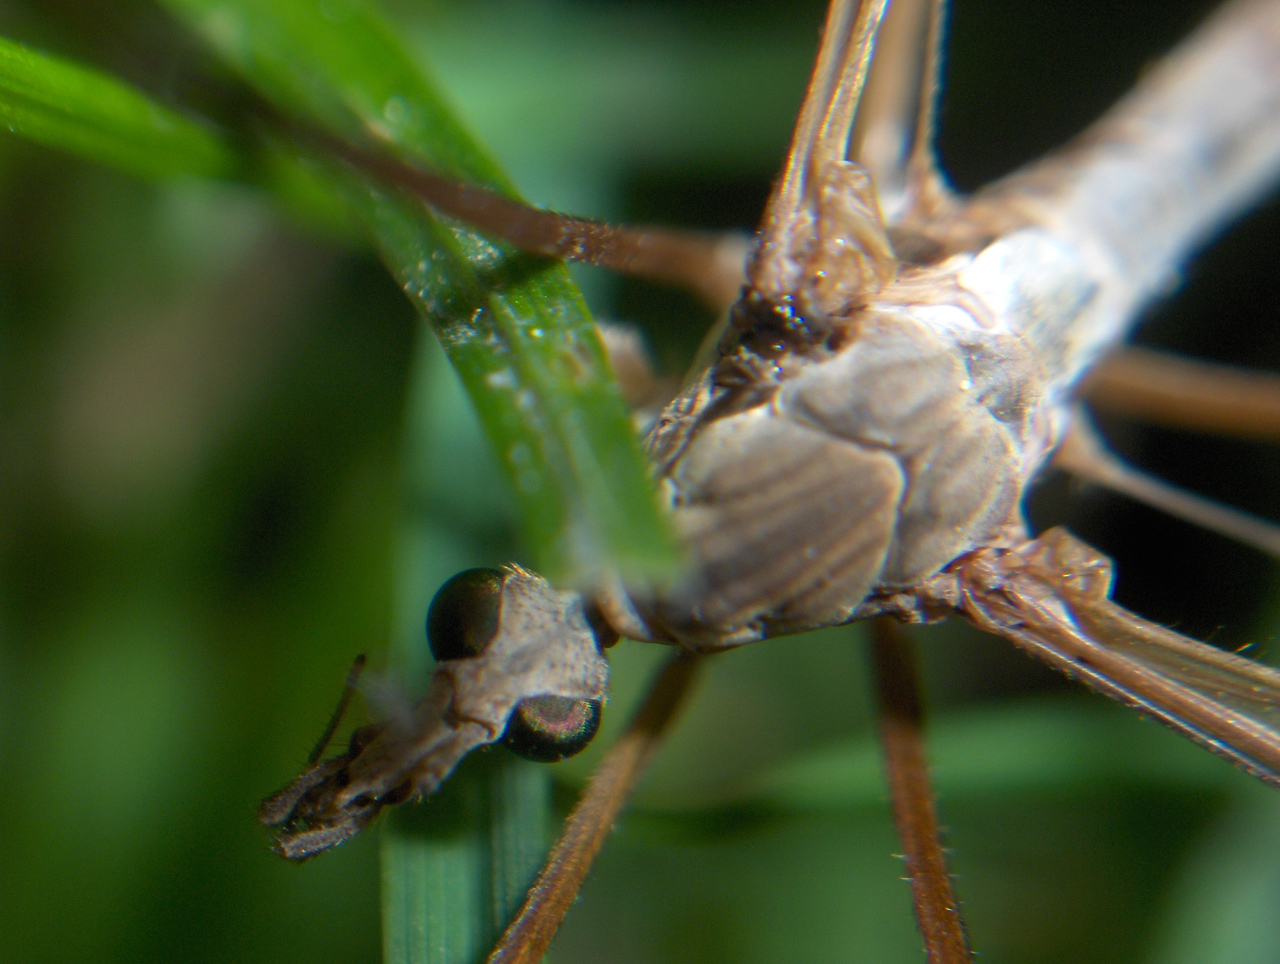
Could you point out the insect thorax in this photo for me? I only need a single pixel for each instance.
(821, 466)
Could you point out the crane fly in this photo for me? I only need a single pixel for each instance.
(900, 364)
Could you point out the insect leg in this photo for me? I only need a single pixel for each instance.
(591, 821)
(1085, 455)
(901, 715)
(1050, 598)
(710, 265)
(339, 711)
(643, 389)
(1184, 393)
(894, 133)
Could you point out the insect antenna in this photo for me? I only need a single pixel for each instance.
(339, 711)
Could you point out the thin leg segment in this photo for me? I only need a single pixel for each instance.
(1050, 597)
(894, 134)
(1185, 393)
(902, 736)
(591, 821)
(1085, 455)
(709, 265)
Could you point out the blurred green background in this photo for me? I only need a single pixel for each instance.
(231, 458)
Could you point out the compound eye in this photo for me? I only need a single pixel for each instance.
(549, 728)
(463, 618)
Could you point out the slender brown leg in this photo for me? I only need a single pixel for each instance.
(707, 264)
(902, 733)
(591, 821)
(1184, 393)
(1085, 455)
(893, 136)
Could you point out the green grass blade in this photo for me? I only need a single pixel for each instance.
(455, 869)
(64, 105)
(515, 327)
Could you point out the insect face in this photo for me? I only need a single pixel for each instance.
(464, 620)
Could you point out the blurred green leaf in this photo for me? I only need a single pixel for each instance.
(1223, 909)
(1034, 747)
(62, 104)
(456, 866)
(518, 333)
(514, 326)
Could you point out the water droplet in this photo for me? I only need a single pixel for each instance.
(394, 109)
